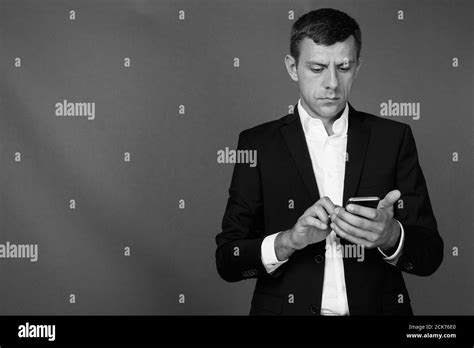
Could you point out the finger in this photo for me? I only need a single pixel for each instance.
(327, 204)
(355, 231)
(389, 199)
(319, 211)
(366, 212)
(350, 238)
(323, 214)
(354, 220)
(336, 212)
(311, 221)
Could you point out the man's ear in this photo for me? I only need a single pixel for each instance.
(290, 63)
(359, 63)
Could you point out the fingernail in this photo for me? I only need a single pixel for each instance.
(350, 207)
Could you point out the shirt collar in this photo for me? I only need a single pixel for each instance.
(309, 123)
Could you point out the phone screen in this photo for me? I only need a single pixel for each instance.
(370, 202)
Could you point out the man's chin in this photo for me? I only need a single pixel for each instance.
(329, 111)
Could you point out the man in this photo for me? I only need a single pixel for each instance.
(285, 222)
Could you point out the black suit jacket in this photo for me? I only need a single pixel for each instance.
(382, 157)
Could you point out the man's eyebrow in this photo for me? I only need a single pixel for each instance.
(346, 62)
(312, 62)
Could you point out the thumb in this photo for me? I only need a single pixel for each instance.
(389, 200)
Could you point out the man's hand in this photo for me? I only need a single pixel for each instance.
(311, 227)
(367, 226)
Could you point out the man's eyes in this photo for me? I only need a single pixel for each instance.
(318, 70)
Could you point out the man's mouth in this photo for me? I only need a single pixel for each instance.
(329, 99)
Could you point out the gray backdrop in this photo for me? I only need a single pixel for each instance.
(173, 156)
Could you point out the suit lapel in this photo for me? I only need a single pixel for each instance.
(293, 133)
(358, 134)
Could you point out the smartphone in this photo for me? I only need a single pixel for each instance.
(370, 202)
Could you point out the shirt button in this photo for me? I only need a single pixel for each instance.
(408, 266)
(314, 309)
(319, 258)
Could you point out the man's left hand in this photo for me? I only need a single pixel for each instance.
(367, 226)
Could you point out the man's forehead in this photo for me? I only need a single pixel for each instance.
(309, 50)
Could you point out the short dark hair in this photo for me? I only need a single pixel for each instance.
(325, 26)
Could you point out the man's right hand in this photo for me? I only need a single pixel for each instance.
(312, 227)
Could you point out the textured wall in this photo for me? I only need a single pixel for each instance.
(68, 186)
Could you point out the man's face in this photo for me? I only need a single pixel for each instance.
(325, 75)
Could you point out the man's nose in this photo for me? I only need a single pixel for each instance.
(331, 80)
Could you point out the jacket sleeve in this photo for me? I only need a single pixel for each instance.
(238, 254)
(423, 248)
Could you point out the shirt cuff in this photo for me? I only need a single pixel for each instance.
(269, 258)
(393, 259)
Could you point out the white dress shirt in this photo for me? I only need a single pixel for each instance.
(328, 159)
